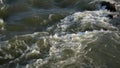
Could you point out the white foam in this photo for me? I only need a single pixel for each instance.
(85, 18)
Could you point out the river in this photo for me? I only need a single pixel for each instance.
(58, 34)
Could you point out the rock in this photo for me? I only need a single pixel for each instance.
(109, 6)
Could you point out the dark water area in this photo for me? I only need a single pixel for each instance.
(58, 34)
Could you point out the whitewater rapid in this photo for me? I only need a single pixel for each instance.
(59, 37)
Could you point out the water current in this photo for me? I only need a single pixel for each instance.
(58, 34)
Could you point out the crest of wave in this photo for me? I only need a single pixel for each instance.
(96, 49)
(85, 21)
(90, 50)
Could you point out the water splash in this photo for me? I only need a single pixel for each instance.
(85, 21)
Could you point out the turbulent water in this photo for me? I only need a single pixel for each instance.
(58, 34)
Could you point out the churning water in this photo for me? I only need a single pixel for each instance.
(58, 34)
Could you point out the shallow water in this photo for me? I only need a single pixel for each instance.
(57, 34)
